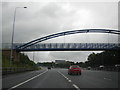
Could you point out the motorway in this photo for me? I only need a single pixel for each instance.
(58, 78)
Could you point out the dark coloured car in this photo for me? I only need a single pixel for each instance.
(49, 67)
(89, 68)
(74, 69)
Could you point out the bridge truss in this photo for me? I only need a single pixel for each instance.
(34, 46)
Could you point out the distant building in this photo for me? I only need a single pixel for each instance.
(60, 61)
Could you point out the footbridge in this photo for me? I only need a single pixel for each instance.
(37, 45)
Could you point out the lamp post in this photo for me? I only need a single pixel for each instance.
(11, 56)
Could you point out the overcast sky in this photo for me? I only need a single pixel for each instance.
(45, 18)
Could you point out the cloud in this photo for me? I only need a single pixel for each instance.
(41, 19)
(70, 55)
(45, 18)
(76, 56)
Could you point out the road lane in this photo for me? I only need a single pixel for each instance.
(75, 86)
(93, 79)
(54, 79)
(9, 81)
(26, 81)
(51, 79)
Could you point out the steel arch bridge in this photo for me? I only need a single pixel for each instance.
(34, 46)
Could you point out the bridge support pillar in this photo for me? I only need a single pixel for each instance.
(16, 55)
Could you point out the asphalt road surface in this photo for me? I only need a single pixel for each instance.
(58, 78)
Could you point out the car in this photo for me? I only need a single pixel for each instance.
(49, 67)
(89, 68)
(74, 69)
(101, 67)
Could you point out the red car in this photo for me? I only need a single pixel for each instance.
(74, 69)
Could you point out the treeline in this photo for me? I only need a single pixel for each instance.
(55, 65)
(105, 58)
(23, 62)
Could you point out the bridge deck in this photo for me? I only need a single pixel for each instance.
(67, 47)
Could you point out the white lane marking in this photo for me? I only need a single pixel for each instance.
(107, 78)
(69, 81)
(63, 75)
(26, 81)
(76, 87)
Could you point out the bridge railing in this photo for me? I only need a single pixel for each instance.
(64, 46)
(72, 45)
